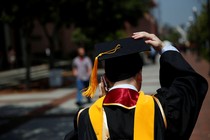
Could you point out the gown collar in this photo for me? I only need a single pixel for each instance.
(124, 86)
(124, 97)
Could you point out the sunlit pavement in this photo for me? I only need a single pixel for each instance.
(49, 114)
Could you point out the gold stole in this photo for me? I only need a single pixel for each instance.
(143, 119)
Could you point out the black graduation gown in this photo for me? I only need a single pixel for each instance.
(181, 94)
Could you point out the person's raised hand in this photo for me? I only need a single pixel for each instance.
(150, 39)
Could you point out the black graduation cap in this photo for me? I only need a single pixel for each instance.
(114, 53)
(123, 47)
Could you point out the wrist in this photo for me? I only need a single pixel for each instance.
(167, 47)
(160, 48)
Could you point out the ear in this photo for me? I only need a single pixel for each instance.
(139, 76)
(110, 84)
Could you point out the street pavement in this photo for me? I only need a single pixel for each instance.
(202, 127)
(48, 114)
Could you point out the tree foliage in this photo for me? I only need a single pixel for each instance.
(97, 20)
(170, 34)
(199, 34)
(198, 31)
(101, 17)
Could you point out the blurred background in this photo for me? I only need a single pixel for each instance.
(39, 38)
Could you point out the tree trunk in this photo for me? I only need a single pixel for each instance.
(18, 47)
(26, 51)
(51, 38)
(26, 34)
(3, 52)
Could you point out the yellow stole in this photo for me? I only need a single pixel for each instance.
(143, 119)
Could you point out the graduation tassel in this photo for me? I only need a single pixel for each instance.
(90, 91)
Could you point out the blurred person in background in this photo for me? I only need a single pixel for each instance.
(11, 57)
(81, 68)
(152, 55)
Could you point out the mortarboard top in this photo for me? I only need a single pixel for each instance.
(123, 47)
(113, 49)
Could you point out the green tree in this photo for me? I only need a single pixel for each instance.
(98, 19)
(103, 18)
(171, 34)
(198, 32)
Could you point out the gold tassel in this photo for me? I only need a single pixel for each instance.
(93, 81)
(90, 91)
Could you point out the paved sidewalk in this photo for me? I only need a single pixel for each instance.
(202, 128)
(27, 116)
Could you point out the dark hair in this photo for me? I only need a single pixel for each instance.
(124, 67)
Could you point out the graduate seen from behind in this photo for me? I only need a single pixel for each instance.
(124, 112)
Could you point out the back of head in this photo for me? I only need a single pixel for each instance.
(123, 67)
